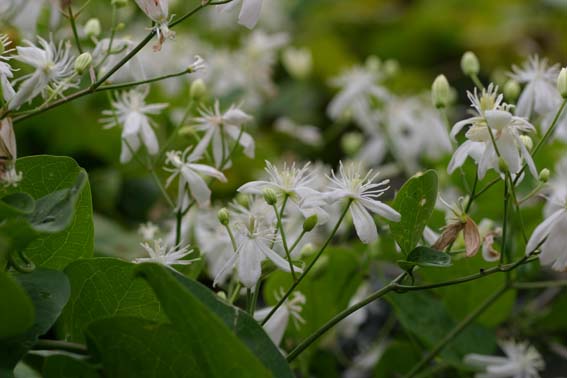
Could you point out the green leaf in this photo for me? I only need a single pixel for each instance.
(48, 291)
(16, 308)
(16, 204)
(415, 202)
(105, 287)
(62, 366)
(397, 359)
(428, 257)
(427, 319)
(196, 342)
(46, 175)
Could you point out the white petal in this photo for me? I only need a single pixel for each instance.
(149, 138)
(254, 187)
(198, 187)
(249, 264)
(249, 13)
(543, 229)
(381, 209)
(363, 223)
(460, 155)
(209, 171)
(278, 261)
(229, 264)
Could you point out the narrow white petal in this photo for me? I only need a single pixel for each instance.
(249, 13)
(381, 209)
(363, 223)
(543, 229)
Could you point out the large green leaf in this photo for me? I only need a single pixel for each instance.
(425, 317)
(16, 204)
(415, 202)
(49, 291)
(46, 179)
(16, 308)
(105, 287)
(63, 366)
(196, 342)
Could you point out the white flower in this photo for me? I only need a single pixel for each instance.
(254, 240)
(277, 324)
(249, 11)
(160, 253)
(362, 191)
(5, 70)
(158, 11)
(182, 165)
(148, 231)
(540, 95)
(10, 177)
(130, 111)
(492, 116)
(358, 89)
(221, 129)
(522, 361)
(53, 65)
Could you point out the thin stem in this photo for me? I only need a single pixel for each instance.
(310, 266)
(341, 315)
(472, 195)
(518, 208)
(282, 233)
(140, 82)
(249, 301)
(161, 187)
(74, 28)
(476, 81)
(255, 296)
(488, 186)
(504, 254)
(43, 344)
(296, 242)
(456, 331)
(178, 224)
(235, 292)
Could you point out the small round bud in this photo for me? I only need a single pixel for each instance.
(270, 196)
(391, 67)
(120, 26)
(307, 250)
(119, 3)
(562, 82)
(298, 62)
(198, 89)
(502, 165)
(440, 92)
(373, 63)
(310, 223)
(243, 200)
(544, 175)
(527, 141)
(470, 64)
(221, 295)
(512, 90)
(351, 142)
(92, 28)
(223, 216)
(83, 62)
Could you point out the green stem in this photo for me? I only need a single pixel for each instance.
(282, 233)
(161, 187)
(504, 253)
(310, 266)
(488, 186)
(296, 242)
(341, 315)
(43, 344)
(140, 82)
(74, 28)
(476, 81)
(456, 331)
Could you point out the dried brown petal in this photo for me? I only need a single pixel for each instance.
(472, 237)
(488, 251)
(448, 236)
(7, 140)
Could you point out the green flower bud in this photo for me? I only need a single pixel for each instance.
(527, 141)
(512, 90)
(391, 67)
(221, 295)
(502, 165)
(223, 216)
(298, 62)
(310, 223)
(562, 82)
(83, 62)
(441, 91)
(243, 200)
(92, 28)
(544, 175)
(270, 196)
(120, 26)
(198, 89)
(470, 64)
(351, 142)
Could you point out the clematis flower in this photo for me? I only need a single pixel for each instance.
(521, 361)
(189, 172)
(362, 191)
(54, 64)
(160, 253)
(222, 128)
(130, 111)
(6, 90)
(458, 221)
(249, 11)
(254, 240)
(492, 116)
(148, 231)
(158, 11)
(277, 324)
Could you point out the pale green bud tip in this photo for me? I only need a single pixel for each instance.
(470, 64)
(223, 216)
(221, 295)
(512, 90)
(502, 165)
(527, 141)
(83, 62)
(92, 28)
(544, 175)
(198, 89)
(440, 91)
(243, 199)
(270, 196)
(351, 142)
(310, 223)
(562, 82)
(119, 3)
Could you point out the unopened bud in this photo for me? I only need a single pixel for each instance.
(270, 196)
(440, 92)
(119, 3)
(544, 175)
(92, 28)
(310, 223)
(391, 67)
(243, 200)
(83, 62)
(470, 64)
(221, 295)
(298, 62)
(502, 165)
(373, 63)
(351, 142)
(120, 26)
(511, 90)
(562, 82)
(198, 89)
(223, 216)
(527, 141)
